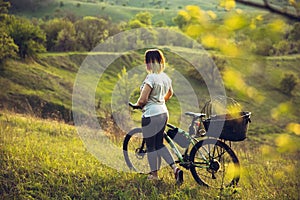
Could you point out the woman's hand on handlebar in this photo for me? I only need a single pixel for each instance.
(134, 106)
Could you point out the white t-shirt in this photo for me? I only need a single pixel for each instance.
(160, 84)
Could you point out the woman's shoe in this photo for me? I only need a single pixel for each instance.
(151, 177)
(179, 176)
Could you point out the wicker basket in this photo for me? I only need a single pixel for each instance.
(232, 126)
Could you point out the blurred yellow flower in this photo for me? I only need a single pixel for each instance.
(281, 110)
(234, 80)
(294, 127)
(209, 40)
(211, 14)
(259, 18)
(185, 15)
(235, 22)
(277, 26)
(285, 143)
(194, 30)
(227, 4)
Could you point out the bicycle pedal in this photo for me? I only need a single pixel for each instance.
(213, 176)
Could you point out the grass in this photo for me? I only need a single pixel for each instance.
(51, 82)
(122, 11)
(117, 13)
(56, 74)
(44, 159)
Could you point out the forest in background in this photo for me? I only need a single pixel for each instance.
(260, 33)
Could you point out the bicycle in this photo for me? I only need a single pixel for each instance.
(210, 160)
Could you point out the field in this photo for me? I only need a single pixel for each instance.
(47, 159)
(43, 159)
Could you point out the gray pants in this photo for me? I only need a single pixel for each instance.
(153, 132)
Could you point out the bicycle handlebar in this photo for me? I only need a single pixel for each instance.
(134, 106)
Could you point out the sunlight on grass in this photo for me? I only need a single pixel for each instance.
(266, 151)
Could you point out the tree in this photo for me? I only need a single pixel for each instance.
(66, 40)
(90, 31)
(59, 31)
(29, 38)
(160, 23)
(4, 6)
(288, 83)
(142, 19)
(8, 48)
(145, 18)
(181, 20)
(132, 24)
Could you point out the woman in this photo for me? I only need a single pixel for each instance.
(155, 91)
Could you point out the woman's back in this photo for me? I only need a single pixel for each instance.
(160, 85)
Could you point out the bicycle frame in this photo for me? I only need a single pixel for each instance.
(203, 155)
(183, 160)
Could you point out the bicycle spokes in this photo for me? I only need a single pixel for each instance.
(134, 150)
(214, 164)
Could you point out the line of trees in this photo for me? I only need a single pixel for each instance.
(236, 31)
(21, 37)
(25, 38)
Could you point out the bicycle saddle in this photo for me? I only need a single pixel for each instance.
(195, 115)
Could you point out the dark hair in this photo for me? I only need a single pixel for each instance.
(155, 59)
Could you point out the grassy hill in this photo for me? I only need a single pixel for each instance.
(121, 10)
(44, 87)
(45, 158)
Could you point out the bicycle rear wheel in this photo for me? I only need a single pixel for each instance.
(134, 151)
(214, 164)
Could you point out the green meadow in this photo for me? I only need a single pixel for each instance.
(45, 159)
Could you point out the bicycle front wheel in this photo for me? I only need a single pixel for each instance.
(134, 151)
(214, 164)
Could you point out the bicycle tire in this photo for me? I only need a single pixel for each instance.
(137, 162)
(214, 164)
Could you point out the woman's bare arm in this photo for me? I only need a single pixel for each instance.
(143, 99)
(169, 94)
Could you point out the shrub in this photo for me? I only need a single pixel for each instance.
(288, 83)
